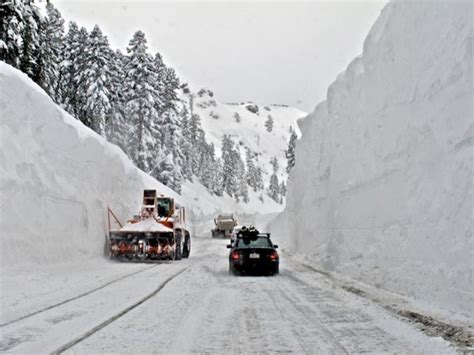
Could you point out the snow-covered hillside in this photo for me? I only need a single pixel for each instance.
(245, 123)
(382, 188)
(57, 178)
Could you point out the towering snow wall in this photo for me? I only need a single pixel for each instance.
(382, 190)
(56, 179)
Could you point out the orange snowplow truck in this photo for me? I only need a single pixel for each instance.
(158, 232)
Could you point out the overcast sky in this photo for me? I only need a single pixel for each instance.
(268, 52)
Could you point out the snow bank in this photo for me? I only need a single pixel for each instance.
(57, 178)
(147, 225)
(382, 188)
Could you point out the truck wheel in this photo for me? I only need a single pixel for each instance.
(178, 250)
(187, 247)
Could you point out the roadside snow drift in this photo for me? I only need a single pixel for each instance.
(382, 188)
(57, 178)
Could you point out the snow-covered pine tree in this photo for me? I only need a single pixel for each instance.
(72, 68)
(259, 179)
(269, 123)
(166, 85)
(251, 173)
(243, 192)
(95, 81)
(290, 152)
(208, 166)
(229, 180)
(171, 82)
(274, 187)
(11, 28)
(66, 89)
(159, 83)
(171, 140)
(50, 51)
(187, 148)
(140, 95)
(217, 180)
(117, 125)
(168, 173)
(30, 41)
(196, 133)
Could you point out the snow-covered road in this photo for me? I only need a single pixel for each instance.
(195, 306)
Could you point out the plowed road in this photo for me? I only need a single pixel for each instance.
(194, 305)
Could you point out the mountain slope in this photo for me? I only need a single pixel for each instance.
(248, 130)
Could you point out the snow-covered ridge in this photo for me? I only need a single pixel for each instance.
(245, 123)
(382, 188)
(57, 178)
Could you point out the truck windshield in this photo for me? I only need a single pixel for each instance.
(164, 207)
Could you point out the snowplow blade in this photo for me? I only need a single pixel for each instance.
(141, 245)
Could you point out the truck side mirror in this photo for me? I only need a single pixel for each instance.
(275, 246)
(229, 246)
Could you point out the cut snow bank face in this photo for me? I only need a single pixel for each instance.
(382, 190)
(57, 178)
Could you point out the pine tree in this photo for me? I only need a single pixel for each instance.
(195, 138)
(274, 188)
(159, 84)
(66, 89)
(208, 169)
(50, 51)
(117, 126)
(30, 42)
(95, 81)
(269, 123)
(71, 72)
(172, 141)
(229, 180)
(11, 28)
(187, 148)
(239, 171)
(171, 88)
(243, 187)
(251, 174)
(140, 95)
(259, 179)
(290, 152)
(168, 173)
(218, 177)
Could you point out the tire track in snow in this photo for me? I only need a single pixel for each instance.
(295, 300)
(112, 319)
(75, 297)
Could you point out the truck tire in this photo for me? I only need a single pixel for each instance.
(178, 250)
(187, 246)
